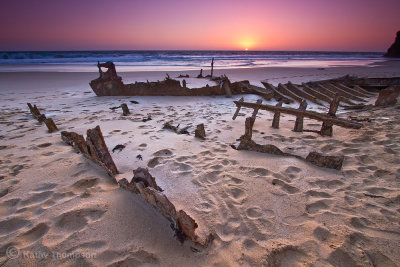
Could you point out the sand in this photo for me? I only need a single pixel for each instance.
(58, 208)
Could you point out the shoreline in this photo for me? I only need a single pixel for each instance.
(18, 80)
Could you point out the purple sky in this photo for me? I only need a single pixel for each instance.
(340, 25)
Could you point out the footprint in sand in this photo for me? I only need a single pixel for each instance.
(254, 213)
(260, 172)
(11, 225)
(45, 187)
(313, 193)
(237, 194)
(76, 220)
(163, 153)
(292, 171)
(288, 256)
(154, 162)
(317, 206)
(31, 236)
(8, 207)
(36, 198)
(285, 186)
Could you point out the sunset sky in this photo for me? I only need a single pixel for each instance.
(340, 25)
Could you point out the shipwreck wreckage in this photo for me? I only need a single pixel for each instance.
(353, 92)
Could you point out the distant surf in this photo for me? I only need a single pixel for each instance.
(178, 60)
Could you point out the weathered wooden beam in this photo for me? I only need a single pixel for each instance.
(248, 127)
(284, 90)
(263, 92)
(296, 90)
(309, 114)
(298, 126)
(326, 128)
(358, 88)
(343, 93)
(125, 110)
(327, 91)
(277, 116)
(351, 90)
(200, 132)
(35, 112)
(259, 101)
(277, 95)
(237, 109)
(98, 151)
(316, 93)
(50, 125)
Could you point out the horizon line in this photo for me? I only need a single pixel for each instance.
(184, 50)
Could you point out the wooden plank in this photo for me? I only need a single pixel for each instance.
(357, 87)
(277, 95)
(327, 91)
(303, 94)
(277, 115)
(351, 90)
(309, 114)
(326, 128)
(238, 109)
(248, 131)
(343, 93)
(259, 101)
(315, 93)
(283, 89)
(298, 125)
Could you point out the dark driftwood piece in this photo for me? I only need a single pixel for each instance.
(343, 93)
(326, 128)
(298, 125)
(296, 90)
(50, 125)
(309, 114)
(332, 162)
(259, 101)
(34, 110)
(277, 116)
(358, 88)
(246, 143)
(359, 93)
(248, 127)
(125, 110)
(277, 95)
(169, 126)
(93, 148)
(284, 90)
(316, 93)
(237, 109)
(331, 93)
(41, 118)
(200, 132)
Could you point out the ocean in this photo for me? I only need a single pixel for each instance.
(178, 60)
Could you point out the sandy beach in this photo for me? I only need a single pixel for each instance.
(59, 208)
